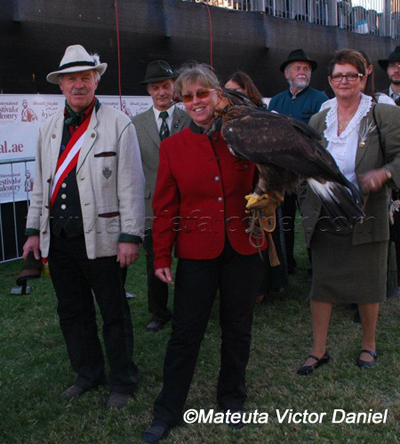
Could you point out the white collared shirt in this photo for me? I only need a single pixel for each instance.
(343, 147)
(392, 94)
(170, 112)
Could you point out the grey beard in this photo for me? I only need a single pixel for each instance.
(299, 84)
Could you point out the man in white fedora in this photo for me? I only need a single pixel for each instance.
(87, 217)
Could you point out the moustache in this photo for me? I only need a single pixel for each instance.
(78, 92)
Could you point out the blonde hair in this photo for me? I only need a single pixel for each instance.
(196, 72)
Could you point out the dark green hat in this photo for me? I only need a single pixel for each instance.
(394, 57)
(158, 71)
(298, 55)
(31, 268)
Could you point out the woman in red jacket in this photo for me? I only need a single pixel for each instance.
(199, 209)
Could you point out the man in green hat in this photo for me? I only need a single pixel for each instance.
(153, 126)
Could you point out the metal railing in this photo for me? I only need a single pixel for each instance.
(376, 17)
(12, 216)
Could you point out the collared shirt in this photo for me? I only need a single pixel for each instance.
(298, 92)
(343, 147)
(74, 119)
(392, 94)
(170, 112)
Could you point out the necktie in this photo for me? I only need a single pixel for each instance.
(164, 130)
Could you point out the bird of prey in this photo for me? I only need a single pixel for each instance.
(286, 152)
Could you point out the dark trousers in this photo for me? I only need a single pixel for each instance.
(288, 222)
(157, 291)
(77, 281)
(238, 278)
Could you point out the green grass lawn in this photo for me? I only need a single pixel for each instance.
(34, 369)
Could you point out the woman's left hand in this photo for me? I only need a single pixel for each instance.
(373, 180)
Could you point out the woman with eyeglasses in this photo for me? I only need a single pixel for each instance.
(349, 264)
(199, 209)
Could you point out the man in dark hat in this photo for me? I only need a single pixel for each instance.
(392, 66)
(153, 126)
(301, 102)
(87, 217)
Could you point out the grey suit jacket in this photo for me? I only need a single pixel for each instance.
(369, 156)
(149, 143)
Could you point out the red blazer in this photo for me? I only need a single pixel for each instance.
(199, 198)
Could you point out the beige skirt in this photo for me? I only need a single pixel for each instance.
(347, 273)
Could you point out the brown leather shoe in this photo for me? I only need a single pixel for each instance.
(73, 392)
(155, 325)
(117, 400)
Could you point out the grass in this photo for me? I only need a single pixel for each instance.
(34, 369)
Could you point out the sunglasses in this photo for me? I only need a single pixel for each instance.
(200, 94)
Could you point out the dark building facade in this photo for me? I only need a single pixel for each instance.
(35, 33)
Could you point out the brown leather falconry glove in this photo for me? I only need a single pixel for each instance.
(265, 206)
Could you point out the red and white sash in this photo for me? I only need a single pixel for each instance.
(68, 159)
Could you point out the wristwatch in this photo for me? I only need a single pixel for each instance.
(388, 173)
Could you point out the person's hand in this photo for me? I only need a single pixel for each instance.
(164, 274)
(127, 254)
(32, 244)
(373, 180)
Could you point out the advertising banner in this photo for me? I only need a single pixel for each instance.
(21, 116)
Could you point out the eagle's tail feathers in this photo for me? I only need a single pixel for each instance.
(343, 205)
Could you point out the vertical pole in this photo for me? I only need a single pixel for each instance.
(387, 7)
(332, 13)
(258, 5)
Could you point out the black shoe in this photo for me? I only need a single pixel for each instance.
(117, 400)
(157, 431)
(234, 418)
(73, 392)
(367, 364)
(155, 325)
(307, 369)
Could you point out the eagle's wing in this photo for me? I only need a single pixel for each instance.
(274, 139)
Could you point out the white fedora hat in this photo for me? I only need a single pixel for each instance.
(76, 59)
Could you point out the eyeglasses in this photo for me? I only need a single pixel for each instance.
(394, 65)
(201, 94)
(352, 77)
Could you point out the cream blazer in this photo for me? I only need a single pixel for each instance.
(110, 182)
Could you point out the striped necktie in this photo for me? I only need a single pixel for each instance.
(164, 130)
